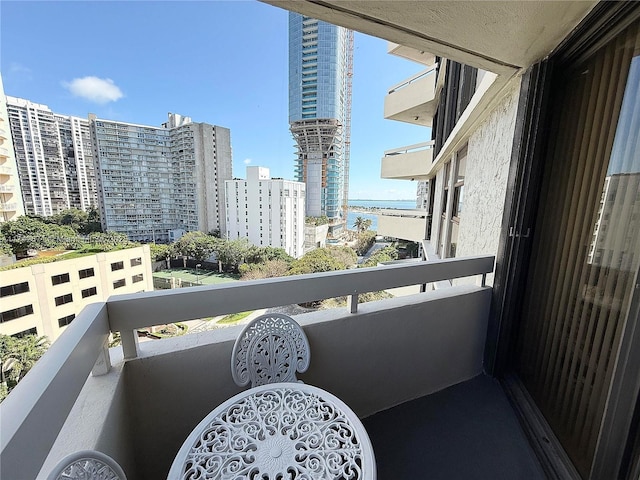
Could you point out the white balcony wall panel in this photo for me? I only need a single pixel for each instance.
(407, 166)
(414, 102)
(405, 228)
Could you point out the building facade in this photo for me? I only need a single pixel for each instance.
(43, 299)
(320, 66)
(266, 211)
(11, 205)
(54, 155)
(156, 179)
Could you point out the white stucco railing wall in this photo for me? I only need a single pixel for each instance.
(33, 414)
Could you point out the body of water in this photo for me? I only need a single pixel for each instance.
(399, 204)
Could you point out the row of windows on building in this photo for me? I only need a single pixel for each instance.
(23, 287)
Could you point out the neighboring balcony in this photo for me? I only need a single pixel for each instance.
(410, 53)
(413, 100)
(4, 152)
(8, 207)
(403, 224)
(7, 188)
(3, 134)
(411, 367)
(412, 162)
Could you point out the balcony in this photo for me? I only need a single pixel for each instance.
(5, 170)
(412, 162)
(411, 53)
(403, 224)
(413, 100)
(7, 188)
(410, 366)
(8, 207)
(4, 152)
(3, 134)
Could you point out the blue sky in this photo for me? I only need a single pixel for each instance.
(218, 62)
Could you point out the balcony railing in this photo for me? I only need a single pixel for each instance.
(34, 414)
(408, 163)
(413, 100)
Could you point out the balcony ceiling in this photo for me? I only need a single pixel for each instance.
(499, 36)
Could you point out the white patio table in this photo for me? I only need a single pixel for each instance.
(279, 430)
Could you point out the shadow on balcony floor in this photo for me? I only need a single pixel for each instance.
(468, 431)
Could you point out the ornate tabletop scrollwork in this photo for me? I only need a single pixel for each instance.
(278, 431)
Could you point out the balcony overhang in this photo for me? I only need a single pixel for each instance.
(500, 37)
(403, 224)
(413, 54)
(413, 100)
(412, 162)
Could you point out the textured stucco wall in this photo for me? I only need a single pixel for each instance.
(485, 184)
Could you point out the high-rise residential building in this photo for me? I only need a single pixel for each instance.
(77, 152)
(11, 205)
(266, 211)
(320, 66)
(153, 180)
(54, 156)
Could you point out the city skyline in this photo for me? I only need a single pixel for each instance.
(120, 78)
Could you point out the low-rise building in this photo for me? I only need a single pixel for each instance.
(43, 299)
(266, 211)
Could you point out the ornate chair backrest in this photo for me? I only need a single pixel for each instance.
(270, 349)
(87, 465)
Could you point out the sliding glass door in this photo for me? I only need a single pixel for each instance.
(586, 245)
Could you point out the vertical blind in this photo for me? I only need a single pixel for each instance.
(586, 245)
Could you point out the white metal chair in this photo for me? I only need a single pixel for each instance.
(87, 465)
(270, 349)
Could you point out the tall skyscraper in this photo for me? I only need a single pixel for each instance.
(11, 205)
(54, 155)
(320, 68)
(153, 180)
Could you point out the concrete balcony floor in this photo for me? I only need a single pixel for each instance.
(467, 431)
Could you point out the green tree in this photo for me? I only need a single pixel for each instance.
(17, 357)
(109, 240)
(72, 217)
(268, 269)
(358, 224)
(159, 251)
(365, 241)
(386, 254)
(197, 245)
(27, 233)
(231, 253)
(264, 254)
(5, 246)
(318, 260)
(345, 255)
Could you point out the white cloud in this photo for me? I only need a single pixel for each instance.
(20, 71)
(94, 89)
(247, 161)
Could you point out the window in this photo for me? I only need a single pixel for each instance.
(24, 333)
(458, 196)
(16, 313)
(58, 279)
(117, 266)
(136, 261)
(137, 278)
(89, 292)
(14, 289)
(62, 299)
(85, 273)
(64, 321)
(119, 283)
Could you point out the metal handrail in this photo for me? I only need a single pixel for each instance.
(414, 78)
